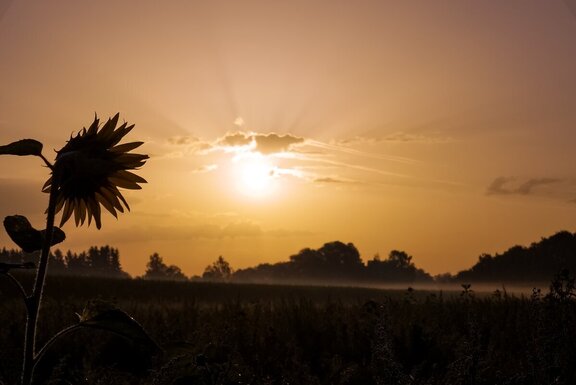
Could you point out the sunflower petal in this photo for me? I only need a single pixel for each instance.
(107, 131)
(120, 196)
(126, 147)
(84, 210)
(80, 212)
(68, 210)
(59, 204)
(94, 211)
(107, 205)
(130, 176)
(110, 196)
(124, 183)
(94, 126)
(131, 161)
(47, 186)
(122, 131)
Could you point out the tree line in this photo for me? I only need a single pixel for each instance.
(333, 262)
(100, 261)
(540, 261)
(337, 262)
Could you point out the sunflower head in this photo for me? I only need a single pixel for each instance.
(90, 168)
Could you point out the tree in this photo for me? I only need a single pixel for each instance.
(400, 259)
(220, 270)
(334, 260)
(105, 260)
(157, 269)
(56, 261)
(398, 267)
(77, 263)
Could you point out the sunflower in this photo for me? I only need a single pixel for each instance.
(90, 168)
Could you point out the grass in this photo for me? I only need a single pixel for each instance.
(264, 334)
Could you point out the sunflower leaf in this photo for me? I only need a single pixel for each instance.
(105, 316)
(27, 237)
(22, 148)
(58, 236)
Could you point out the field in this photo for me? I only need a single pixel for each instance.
(257, 334)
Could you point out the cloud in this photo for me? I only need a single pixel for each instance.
(346, 149)
(404, 137)
(179, 146)
(241, 229)
(238, 139)
(334, 180)
(265, 144)
(183, 140)
(497, 186)
(506, 186)
(205, 169)
(271, 143)
(527, 187)
(232, 230)
(398, 137)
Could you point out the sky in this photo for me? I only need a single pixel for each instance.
(445, 129)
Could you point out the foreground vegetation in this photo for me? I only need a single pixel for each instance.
(255, 334)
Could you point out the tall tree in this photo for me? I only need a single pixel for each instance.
(157, 269)
(220, 270)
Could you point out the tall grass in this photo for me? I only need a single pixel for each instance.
(258, 334)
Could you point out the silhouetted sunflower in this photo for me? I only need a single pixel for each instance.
(90, 168)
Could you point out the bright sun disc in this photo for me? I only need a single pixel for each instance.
(255, 177)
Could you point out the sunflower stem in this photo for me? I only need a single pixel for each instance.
(33, 302)
(47, 162)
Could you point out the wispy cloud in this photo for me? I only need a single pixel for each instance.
(232, 230)
(178, 147)
(497, 187)
(561, 189)
(527, 187)
(353, 166)
(332, 160)
(364, 154)
(405, 137)
(183, 140)
(334, 180)
(399, 137)
(204, 169)
(511, 185)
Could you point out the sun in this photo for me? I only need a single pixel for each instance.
(255, 176)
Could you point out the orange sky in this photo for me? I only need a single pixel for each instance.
(445, 129)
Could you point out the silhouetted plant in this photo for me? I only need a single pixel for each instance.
(86, 174)
(562, 287)
(467, 292)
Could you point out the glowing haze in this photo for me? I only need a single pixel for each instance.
(442, 128)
